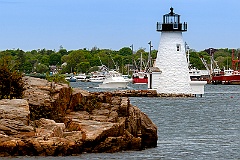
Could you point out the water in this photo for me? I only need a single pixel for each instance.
(188, 128)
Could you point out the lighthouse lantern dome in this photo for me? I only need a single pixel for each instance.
(171, 22)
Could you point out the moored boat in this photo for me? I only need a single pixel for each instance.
(97, 78)
(226, 77)
(114, 79)
(81, 77)
(199, 75)
(140, 78)
(127, 78)
(72, 78)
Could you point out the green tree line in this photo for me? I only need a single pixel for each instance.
(223, 57)
(85, 60)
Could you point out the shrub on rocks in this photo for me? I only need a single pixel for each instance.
(11, 83)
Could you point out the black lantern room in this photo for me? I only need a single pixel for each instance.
(171, 22)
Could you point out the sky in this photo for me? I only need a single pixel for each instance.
(114, 24)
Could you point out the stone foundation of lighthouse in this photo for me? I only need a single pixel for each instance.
(172, 61)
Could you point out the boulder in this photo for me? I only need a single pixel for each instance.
(15, 109)
(47, 99)
(49, 128)
(14, 116)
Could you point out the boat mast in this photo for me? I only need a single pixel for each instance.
(234, 67)
(149, 55)
(205, 64)
(188, 54)
(100, 60)
(113, 62)
(141, 62)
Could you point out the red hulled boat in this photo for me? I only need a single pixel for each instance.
(140, 78)
(226, 77)
(230, 76)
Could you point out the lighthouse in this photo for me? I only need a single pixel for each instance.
(171, 57)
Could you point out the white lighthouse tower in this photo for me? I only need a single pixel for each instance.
(171, 57)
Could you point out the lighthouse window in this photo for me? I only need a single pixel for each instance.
(178, 47)
(175, 26)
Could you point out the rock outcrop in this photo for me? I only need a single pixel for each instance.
(56, 120)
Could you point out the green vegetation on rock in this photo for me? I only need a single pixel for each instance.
(11, 83)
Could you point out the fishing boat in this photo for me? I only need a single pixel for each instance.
(114, 79)
(227, 76)
(140, 78)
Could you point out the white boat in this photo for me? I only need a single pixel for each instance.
(97, 78)
(100, 75)
(81, 77)
(114, 79)
(72, 78)
(194, 74)
(199, 75)
(127, 78)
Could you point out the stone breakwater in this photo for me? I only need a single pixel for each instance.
(145, 93)
(56, 120)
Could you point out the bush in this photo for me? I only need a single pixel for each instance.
(11, 83)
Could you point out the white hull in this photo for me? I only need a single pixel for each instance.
(97, 79)
(81, 77)
(114, 80)
(126, 77)
(113, 85)
(71, 79)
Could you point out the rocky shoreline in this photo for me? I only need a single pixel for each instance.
(57, 120)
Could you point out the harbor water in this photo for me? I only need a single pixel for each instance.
(199, 128)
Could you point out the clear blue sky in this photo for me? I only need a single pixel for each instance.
(113, 24)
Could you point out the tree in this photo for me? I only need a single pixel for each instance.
(195, 60)
(55, 59)
(21, 59)
(93, 69)
(11, 83)
(41, 68)
(65, 58)
(154, 54)
(74, 58)
(83, 67)
(27, 67)
(63, 52)
(125, 51)
(45, 60)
